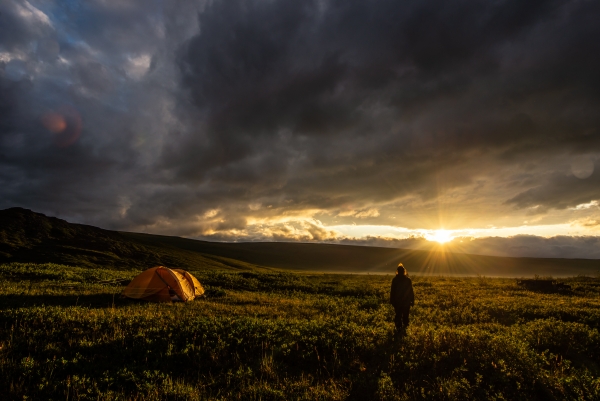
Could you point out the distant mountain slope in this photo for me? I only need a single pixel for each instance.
(363, 259)
(26, 236)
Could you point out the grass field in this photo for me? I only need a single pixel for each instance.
(66, 334)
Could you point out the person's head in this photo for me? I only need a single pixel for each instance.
(401, 270)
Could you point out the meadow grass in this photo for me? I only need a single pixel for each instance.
(66, 334)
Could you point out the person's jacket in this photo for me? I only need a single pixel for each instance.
(402, 292)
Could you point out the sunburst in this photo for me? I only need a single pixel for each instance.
(441, 236)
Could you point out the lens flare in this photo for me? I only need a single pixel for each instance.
(54, 122)
(64, 124)
(582, 167)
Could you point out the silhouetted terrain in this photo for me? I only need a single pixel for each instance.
(26, 236)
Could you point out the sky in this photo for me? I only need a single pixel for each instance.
(348, 121)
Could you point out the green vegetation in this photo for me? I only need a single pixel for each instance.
(66, 334)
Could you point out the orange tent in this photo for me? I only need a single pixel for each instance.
(161, 284)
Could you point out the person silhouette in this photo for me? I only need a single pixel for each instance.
(402, 297)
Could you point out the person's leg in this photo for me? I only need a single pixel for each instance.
(405, 312)
(398, 318)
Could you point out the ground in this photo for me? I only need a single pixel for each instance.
(66, 334)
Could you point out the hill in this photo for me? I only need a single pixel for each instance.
(26, 236)
(364, 259)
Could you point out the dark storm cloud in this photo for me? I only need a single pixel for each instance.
(379, 82)
(561, 191)
(20, 24)
(84, 95)
(8, 105)
(234, 118)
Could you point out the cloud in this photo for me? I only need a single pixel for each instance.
(383, 97)
(421, 114)
(297, 230)
(587, 222)
(560, 191)
(587, 205)
(370, 212)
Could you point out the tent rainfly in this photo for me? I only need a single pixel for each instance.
(161, 284)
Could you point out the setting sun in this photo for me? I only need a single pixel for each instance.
(441, 236)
